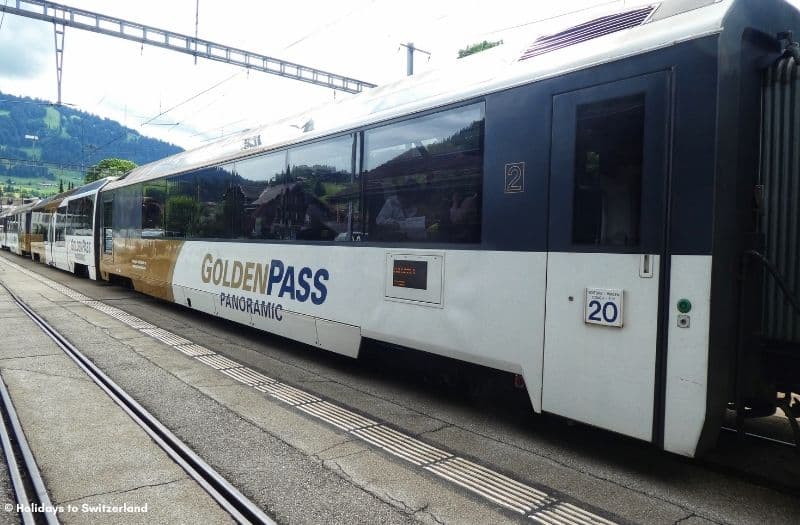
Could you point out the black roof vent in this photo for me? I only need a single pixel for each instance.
(588, 30)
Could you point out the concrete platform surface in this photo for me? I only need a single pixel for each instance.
(99, 466)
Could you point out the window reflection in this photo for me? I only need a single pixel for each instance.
(421, 181)
(319, 192)
(424, 178)
(253, 182)
(79, 216)
(608, 172)
(153, 198)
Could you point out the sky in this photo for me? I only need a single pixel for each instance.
(131, 83)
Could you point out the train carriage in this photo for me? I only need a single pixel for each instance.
(20, 241)
(5, 228)
(63, 229)
(41, 217)
(581, 215)
(11, 228)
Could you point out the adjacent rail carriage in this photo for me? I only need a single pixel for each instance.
(71, 242)
(18, 222)
(582, 215)
(5, 227)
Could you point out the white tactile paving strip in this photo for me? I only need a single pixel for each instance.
(534, 503)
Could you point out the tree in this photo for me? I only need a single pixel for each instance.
(109, 168)
(60, 185)
(477, 48)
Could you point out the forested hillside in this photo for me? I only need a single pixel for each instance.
(67, 142)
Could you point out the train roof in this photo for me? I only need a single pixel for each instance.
(555, 47)
(22, 208)
(90, 188)
(54, 201)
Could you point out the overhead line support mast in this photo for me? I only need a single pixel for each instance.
(58, 32)
(62, 16)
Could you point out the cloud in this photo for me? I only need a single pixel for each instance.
(26, 48)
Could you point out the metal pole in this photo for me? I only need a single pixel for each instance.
(58, 31)
(410, 58)
(196, 25)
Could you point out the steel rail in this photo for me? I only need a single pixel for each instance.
(32, 470)
(761, 437)
(226, 495)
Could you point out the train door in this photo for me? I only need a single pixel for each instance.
(105, 243)
(608, 180)
(58, 245)
(25, 245)
(51, 237)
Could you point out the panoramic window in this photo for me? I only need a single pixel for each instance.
(424, 178)
(195, 204)
(153, 196)
(128, 211)
(62, 220)
(79, 212)
(315, 202)
(608, 172)
(257, 183)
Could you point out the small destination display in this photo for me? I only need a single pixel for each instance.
(410, 274)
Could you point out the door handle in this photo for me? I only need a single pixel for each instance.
(646, 266)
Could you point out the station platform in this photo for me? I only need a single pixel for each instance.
(99, 466)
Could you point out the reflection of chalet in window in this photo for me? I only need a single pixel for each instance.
(289, 211)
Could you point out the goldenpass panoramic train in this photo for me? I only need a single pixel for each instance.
(582, 215)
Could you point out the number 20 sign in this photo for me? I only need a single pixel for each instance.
(604, 307)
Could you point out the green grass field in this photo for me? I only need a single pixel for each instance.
(52, 118)
(38, 187)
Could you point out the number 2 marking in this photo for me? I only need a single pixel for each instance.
(513, 184)
(515, 177)
(593, 315)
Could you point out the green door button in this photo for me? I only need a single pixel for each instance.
(684, 306)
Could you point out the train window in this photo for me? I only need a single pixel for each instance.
(217, 211)
(315, 201)
(153, 196)
(70, 218)
(128, 211)
(257, 183)
(424, 178)
(79, 213)
(180, 206)
(60, 224)
(607, 197)
(38, 229)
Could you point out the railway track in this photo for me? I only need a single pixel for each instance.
(26, 480)
(766, 439)
(226, 495)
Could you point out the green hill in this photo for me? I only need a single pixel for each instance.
(68, 142)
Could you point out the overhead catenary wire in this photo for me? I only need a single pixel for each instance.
(162, 113)
(324, 26)
(40, 163)
(196, 95)
(553, 17)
